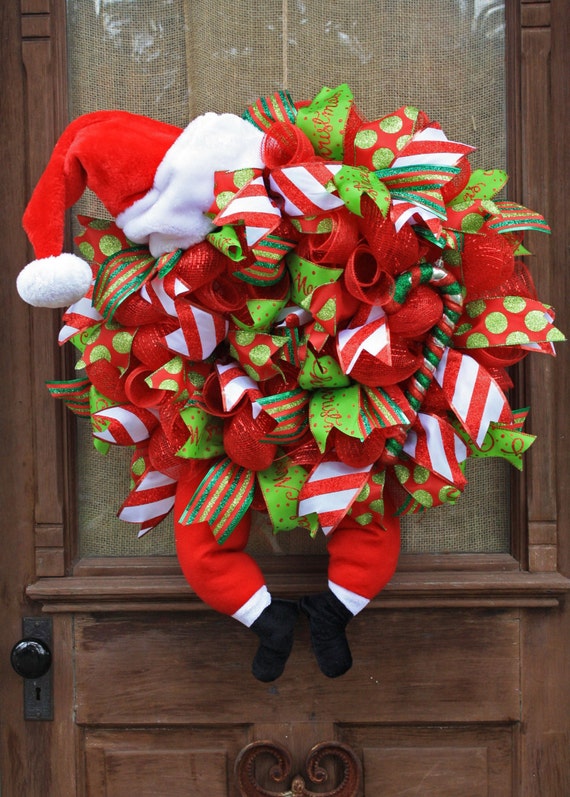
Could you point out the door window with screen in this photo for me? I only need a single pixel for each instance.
(175, 60)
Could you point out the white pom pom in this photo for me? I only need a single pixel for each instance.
(56, 281)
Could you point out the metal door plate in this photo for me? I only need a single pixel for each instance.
(38, 692)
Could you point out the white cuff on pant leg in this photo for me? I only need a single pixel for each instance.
(353, 602)
(252, 608)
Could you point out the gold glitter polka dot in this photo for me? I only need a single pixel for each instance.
(535, 320)
(86, 250)
(325, 225)
(138, 466)
(449, 494)
(472, 223)
(514, 304)
(122, 342)
(475, 308)
(244, 337)
(553, 335)
(463, 329)
(224, 198)
(423, 497)
(196, 379)
(100, 353)
(382, 158)
(243, 177)
(365, 139)
(327, 311)
(260, 354)
(516, 338)
(109, 244)
(391, 124)
(452, 257)
(411, 112)
(250, 371)
(364, 493)
(402, 141)
(402, 473)
(168, 384)
(379, 478)
(174, 366)
(377, 506)
(496, 322)
(99, 224)
(364, 520)
(421, 474)
(477, 341)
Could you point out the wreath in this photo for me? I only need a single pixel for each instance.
(311, 310)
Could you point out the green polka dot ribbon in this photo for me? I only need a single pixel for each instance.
(507, 321)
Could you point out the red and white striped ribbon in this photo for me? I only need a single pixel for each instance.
(199, 333)
(428, 146)
(330, 491)
(78, 316)
(303, 188)
(127, 425)
(253, 207)
(150, 501)
(372, 336)
(474, 396)
(235, 384)
(431, 146)
(434, 444)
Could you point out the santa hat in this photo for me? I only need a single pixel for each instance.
(155, 179)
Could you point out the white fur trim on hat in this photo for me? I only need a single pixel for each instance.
(171, 215)
(56, 281)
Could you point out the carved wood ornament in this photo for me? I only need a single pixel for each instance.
(348, 786)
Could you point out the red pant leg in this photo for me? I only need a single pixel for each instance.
(223, 576)
(363, 559)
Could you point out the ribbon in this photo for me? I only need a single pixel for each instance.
(506, 441)
(474, 396)
(79, 317)
(368, 506)
(205, 439)
(150, 501)
(506, 321)
(330, 491)
(125, 425)
(324, 120)
(372, 336)
(434, 444)
(280, 485)
(222, 498)
(75, 394)
(199, 333)
(277, 107)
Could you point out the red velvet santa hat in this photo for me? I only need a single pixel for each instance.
(116, 155)
(155, 179)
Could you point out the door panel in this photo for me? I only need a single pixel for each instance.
(420, 703)
(425, 666)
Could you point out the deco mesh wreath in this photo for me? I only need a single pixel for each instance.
(301, 312)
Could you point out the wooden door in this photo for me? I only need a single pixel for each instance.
(460, 678)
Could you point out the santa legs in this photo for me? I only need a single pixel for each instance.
(362, 559)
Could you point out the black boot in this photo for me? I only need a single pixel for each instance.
(274, 627)
(328, 618)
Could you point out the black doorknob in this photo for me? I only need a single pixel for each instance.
(31, 658)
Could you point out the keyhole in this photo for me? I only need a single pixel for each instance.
(38, 693)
